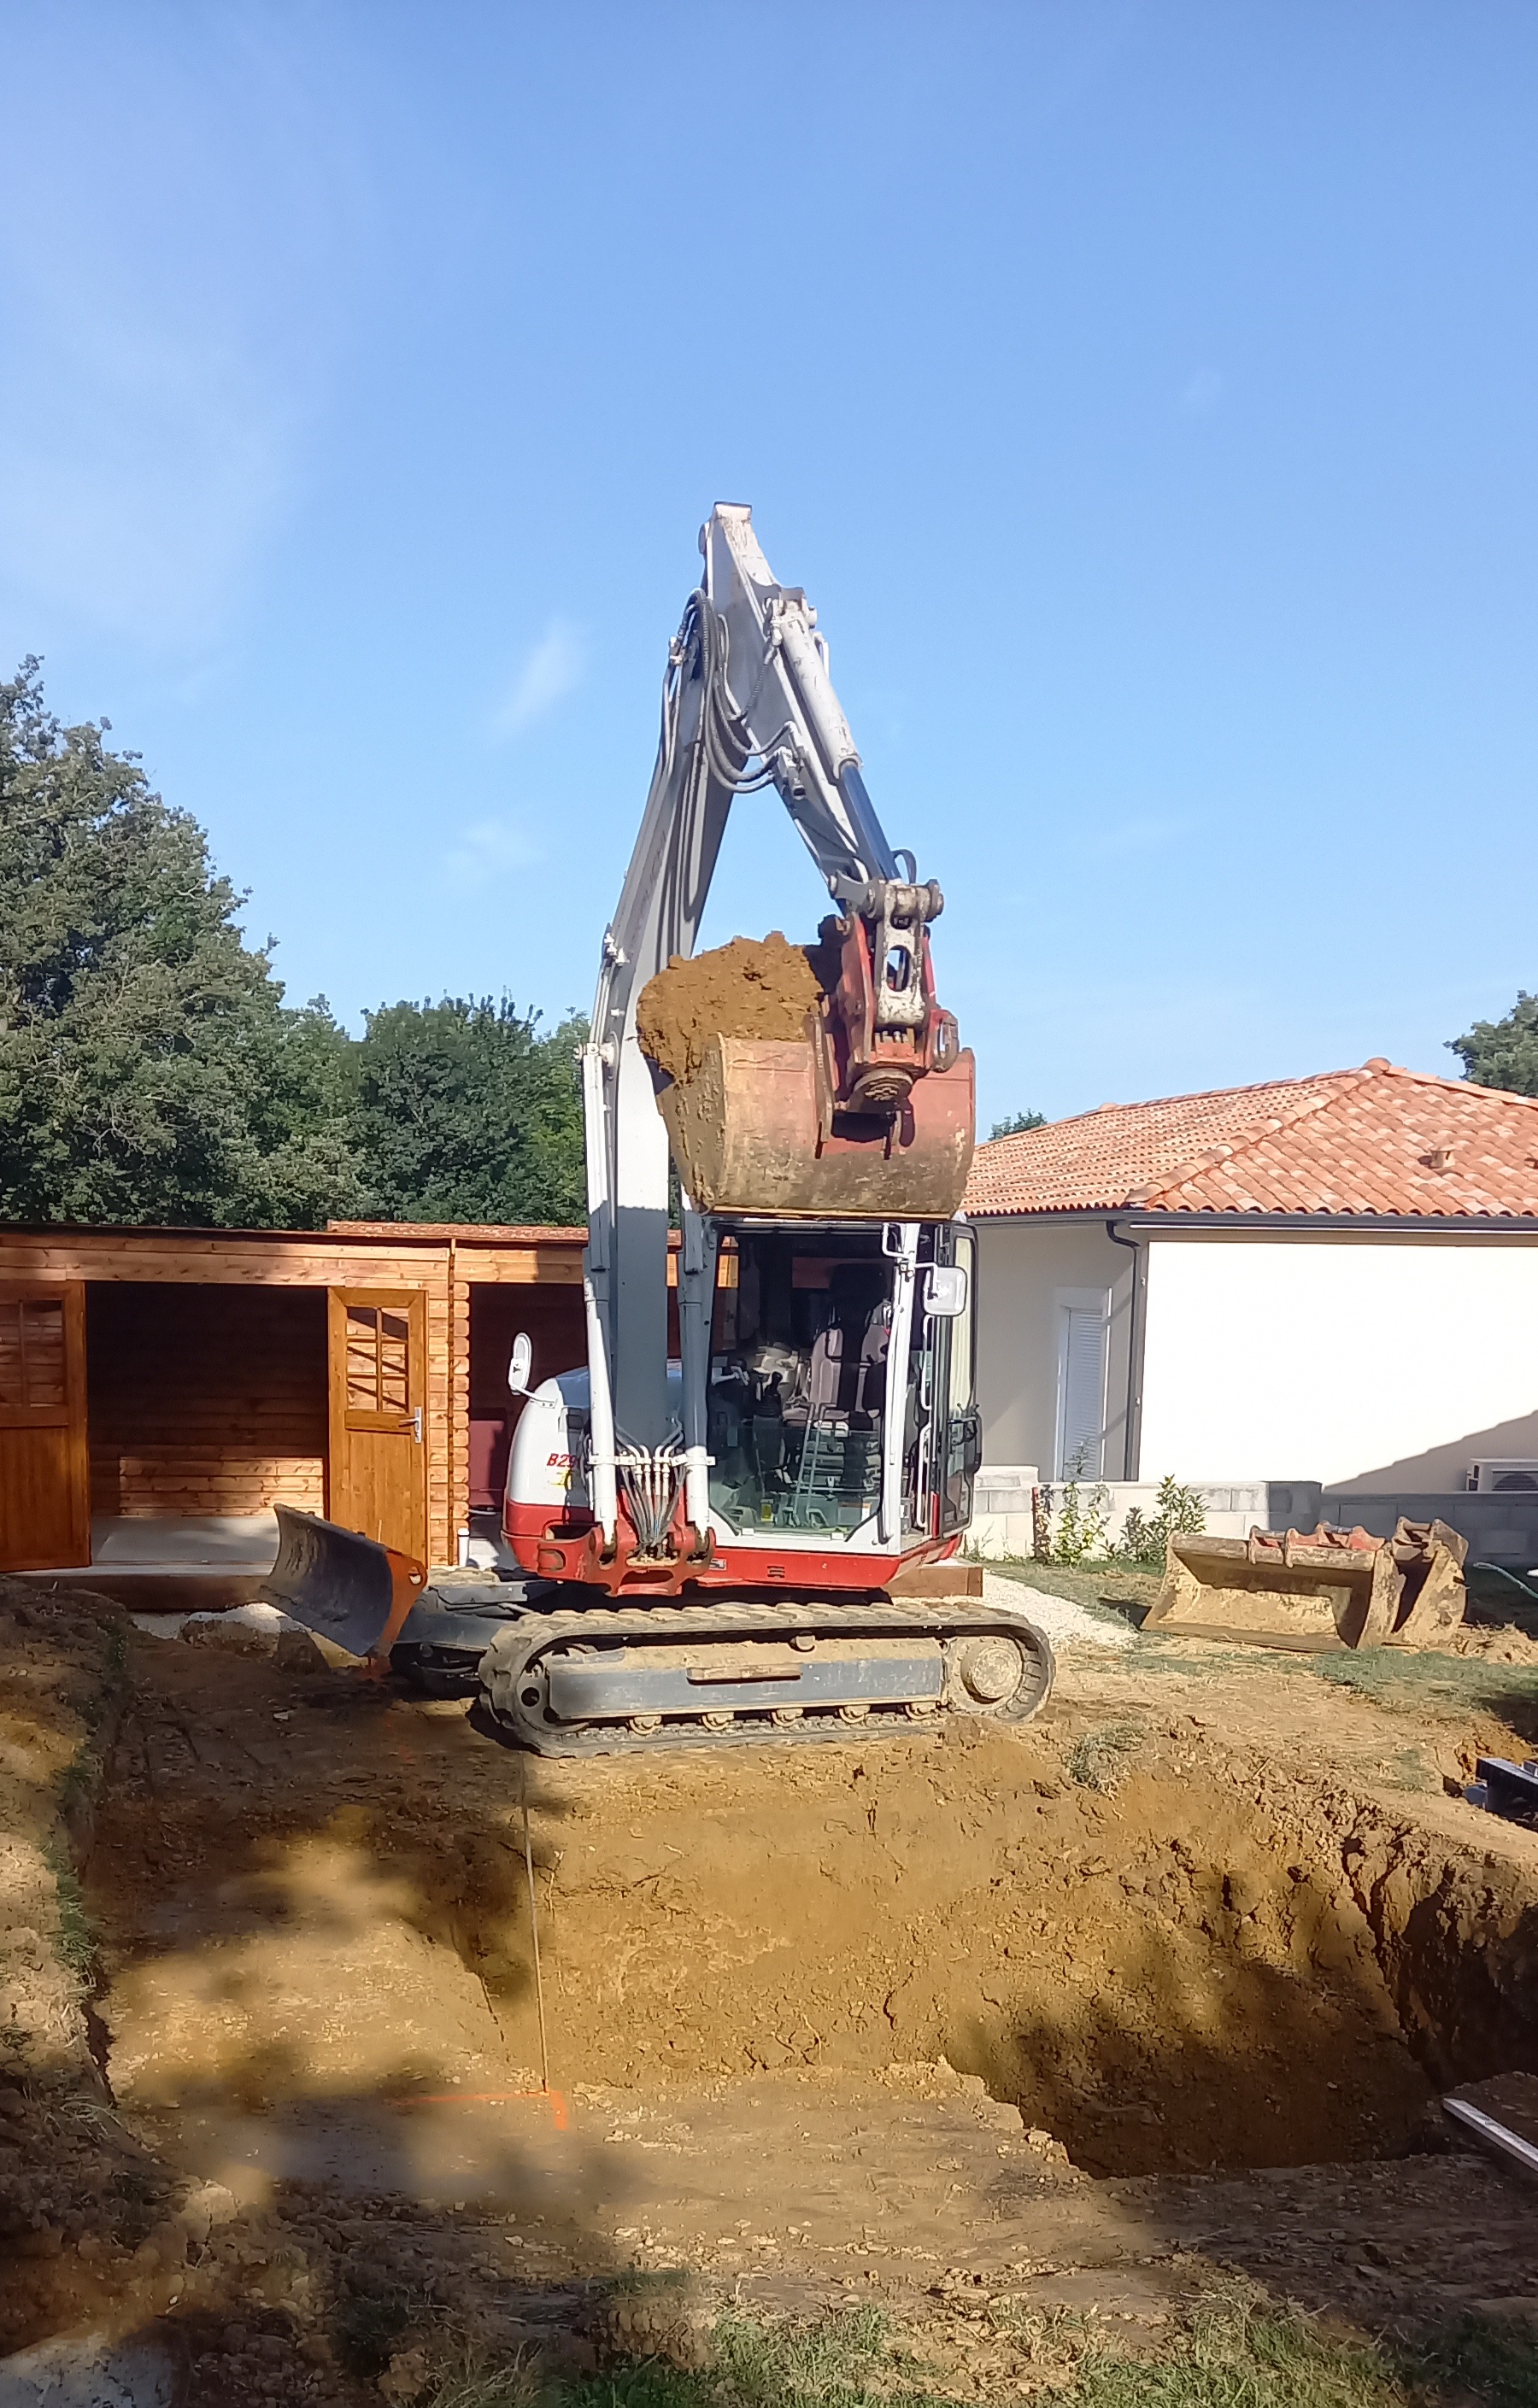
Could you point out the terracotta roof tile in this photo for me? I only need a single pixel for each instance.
(1376, 1141)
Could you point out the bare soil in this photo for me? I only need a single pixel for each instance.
(1067, 2018)
(751, 987)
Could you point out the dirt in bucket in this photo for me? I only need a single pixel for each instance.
(753, 986)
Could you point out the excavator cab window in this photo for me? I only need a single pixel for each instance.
(798, 1385)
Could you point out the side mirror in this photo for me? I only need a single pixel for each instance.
(945, 1291)
(520, 1364)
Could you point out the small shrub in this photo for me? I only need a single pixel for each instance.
(1181, 1514)
(1068, 1527)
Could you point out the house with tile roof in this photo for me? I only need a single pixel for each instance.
(1330, 1279)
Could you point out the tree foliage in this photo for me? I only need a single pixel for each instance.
(1502, 1053)
(151, 1070)
(1018, 1123)
(465, 1112)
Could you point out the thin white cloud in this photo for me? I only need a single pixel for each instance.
(550, 671)
(488, 851)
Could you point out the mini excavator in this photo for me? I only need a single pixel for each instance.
(756, 1538)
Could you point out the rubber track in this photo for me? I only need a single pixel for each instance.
(507, 1663)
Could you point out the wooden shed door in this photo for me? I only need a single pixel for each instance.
(45, 1485)
(377, 1479)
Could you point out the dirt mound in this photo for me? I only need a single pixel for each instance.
(68, 2166)
(752, 987)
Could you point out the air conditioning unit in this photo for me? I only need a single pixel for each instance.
(1509, 1475)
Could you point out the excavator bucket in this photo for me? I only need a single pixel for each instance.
(1431, 1558)
(341, 1585)
(1315, 1589)
(749, 1132)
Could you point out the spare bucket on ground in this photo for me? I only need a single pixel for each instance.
(1317, 1589)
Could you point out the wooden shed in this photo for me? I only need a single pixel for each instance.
(203, 1374)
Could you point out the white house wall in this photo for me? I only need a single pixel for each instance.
(1379, 1363)
(1023, 1268)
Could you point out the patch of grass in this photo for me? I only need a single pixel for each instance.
(75, 1937)
(842, 2361)
(833, 2364)
(1235, 2350)
(1099, 1758)
(1494, 2360)
(1239, 2354)
(508, 2387)
(1403, 1680)
(649, 2383)
(1242, 2352)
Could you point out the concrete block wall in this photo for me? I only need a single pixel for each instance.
(1004, 1507)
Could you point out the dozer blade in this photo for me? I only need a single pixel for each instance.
(749, 1134)
(1324, 1589)
(341, 1585)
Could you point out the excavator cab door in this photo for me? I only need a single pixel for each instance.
(945, 1435)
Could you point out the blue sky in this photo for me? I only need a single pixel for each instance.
(1145, 395)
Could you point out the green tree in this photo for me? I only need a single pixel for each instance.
(1018, 1123)
(150, 1069)
(465, 1112)
(1502, 1053)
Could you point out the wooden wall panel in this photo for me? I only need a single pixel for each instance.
(554, 1318)
(205, 1400)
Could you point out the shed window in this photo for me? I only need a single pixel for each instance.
(1081, 1389)
(31, 1354)
(378, 1343)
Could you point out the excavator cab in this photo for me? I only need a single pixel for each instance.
(802, 1394)
(795, 1414)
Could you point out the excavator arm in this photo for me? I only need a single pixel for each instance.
(747, 702)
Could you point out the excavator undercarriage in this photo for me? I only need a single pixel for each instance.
(564, 1675)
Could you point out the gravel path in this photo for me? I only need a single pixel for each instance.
(1066, 1625)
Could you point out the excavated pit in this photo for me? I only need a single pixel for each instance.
(1174, 1962)
(307, 1921)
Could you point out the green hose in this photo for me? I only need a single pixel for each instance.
(1515, 1579)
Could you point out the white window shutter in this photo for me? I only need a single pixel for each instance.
(1084, 1393)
